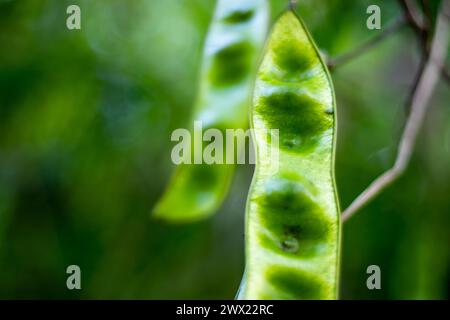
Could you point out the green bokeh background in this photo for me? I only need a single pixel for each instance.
(85, 123)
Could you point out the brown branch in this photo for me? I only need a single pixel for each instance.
(427, 14)
(413, 16)
(419, 106)
(361, 49)
(418, 22)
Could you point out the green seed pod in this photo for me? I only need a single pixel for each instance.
(230, 58)
(292, 222)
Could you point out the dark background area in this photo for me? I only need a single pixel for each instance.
(85, 123)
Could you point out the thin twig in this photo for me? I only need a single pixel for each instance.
(413, 16)
(427, 14)
(361, 49)
(424, 55)
(293, 4)
(420, 25)
(422, 95)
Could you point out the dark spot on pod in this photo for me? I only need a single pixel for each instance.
(292, 58)
(231, 64)
(290, 244)
(239, 16)
(204, 176)
(295, 283)
(329, 111)
(203, 182)
(299, 118)
(296, 223)
(289, 212)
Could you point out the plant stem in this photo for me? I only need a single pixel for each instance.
(419, 106)
(363, 48)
